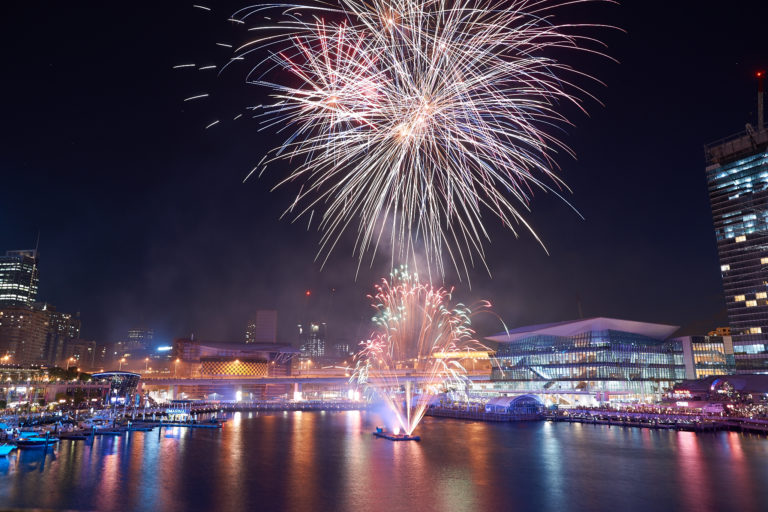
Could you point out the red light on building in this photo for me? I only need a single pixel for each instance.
(308, 293)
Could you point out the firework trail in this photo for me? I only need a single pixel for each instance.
(412, 122)
(407, 359)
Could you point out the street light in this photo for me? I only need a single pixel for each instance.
(176, 366)
(122, 360)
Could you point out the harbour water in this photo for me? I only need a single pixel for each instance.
(318, 461)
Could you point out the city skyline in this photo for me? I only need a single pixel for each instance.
(178, 238)
(385, 255)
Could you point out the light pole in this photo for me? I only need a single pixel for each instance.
(146, 364)
(122, 360)
(176, 367)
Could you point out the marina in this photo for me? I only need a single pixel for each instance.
(687, 470)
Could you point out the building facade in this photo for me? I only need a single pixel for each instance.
(588, 361)
(262, 327)
(18, 278)
(63, 330)
(23, 334)
(228, 371)
(122, 387)
(80, 353)
(214, 359)
(705, 356)
(737, 176)
(312, 340)
(139, 338)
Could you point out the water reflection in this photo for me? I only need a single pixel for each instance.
(312, 461)
(552, 457)
(737, 475)
(692, 473)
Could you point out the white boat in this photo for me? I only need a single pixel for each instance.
(6, 448)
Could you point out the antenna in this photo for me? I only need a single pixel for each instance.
(760, 78)
(34, 269)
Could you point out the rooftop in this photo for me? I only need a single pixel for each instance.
(573, 327)
(736, 146)
(248, 347)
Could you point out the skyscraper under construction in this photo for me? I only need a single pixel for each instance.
(737, 176)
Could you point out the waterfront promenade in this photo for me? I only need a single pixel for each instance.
(688, 421)
(657, 420)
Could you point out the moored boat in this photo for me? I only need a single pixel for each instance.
(109, 431)
(36, 442)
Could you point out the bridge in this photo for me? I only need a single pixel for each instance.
(174, 384)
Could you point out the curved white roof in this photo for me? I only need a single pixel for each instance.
(573, 327)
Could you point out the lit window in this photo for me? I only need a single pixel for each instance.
(764, 261)
(761, 295)
(741, 238)
(755, 330)
(739, 298)
(726, 268)
(751, 303)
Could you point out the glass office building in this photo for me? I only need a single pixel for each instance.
(737, 176)
(18, 278)
(596, 359)
(705, 356)
(122, 385)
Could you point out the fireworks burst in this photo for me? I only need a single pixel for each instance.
(409, 121)
(407, 359)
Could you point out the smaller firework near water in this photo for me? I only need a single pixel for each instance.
(406, 360)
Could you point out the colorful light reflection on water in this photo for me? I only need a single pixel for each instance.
(314, 461)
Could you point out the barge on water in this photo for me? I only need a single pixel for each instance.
(382, 433)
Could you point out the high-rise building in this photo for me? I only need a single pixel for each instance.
(139, 338)
(342, 349)
(81, 353)
(737, 175)
(262, 327)
(23, 331)
(312, 340)
(63, 329)
(18, 278)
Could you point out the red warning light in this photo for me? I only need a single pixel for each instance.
(760, 74)
(308, 293)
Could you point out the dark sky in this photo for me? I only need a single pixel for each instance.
(144, 219)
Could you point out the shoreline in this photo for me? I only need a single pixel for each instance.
(680, 422)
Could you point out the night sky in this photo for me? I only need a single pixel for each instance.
(144, 219)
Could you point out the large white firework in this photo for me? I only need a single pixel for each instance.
(411, 122)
